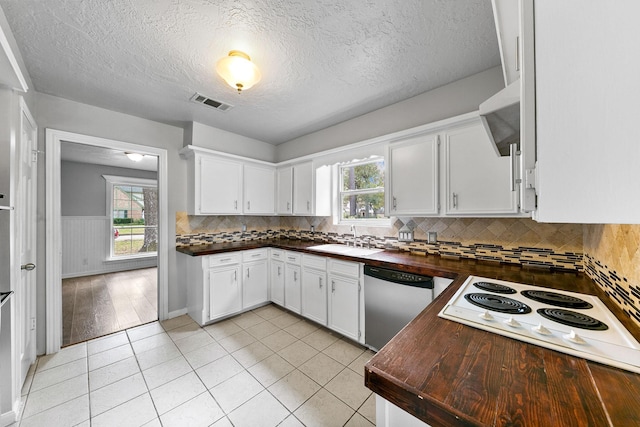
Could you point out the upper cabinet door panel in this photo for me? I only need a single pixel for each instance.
(303, 191)
(587, 103)
(414, 176)
(259, 190)
(477, 180)
(220, 186)
(285, 191)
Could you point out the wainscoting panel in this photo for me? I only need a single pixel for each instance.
(85, 248)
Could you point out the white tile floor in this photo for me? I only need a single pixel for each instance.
(265, 367)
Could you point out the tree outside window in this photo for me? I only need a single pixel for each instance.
(134, 216)
(362, 190)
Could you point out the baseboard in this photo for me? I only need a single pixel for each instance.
(106, 271)
(8, 418)
(176, 313)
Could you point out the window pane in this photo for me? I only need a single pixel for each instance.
(135, 220)
(363, 206)
(360, 177)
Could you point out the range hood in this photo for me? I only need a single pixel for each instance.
(501, 117)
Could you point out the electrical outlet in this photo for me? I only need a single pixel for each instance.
(244, 228)
(432, 237)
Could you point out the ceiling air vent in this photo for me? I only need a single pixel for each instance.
(201, 99)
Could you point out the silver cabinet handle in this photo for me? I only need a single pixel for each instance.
(279, 271)
(295, 276)
(513, 156)
(395, 203)
(291, 258)
(308, 206)
(225, 259)
(517, 53)
(455, 200)
(235, 204)
(333, 286)
(235, 276)
(29, 266)
(288, 206)
(248, 205)
(255, 255)
(320, 282)
(248, 268)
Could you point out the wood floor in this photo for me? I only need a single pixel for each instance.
(93, 306)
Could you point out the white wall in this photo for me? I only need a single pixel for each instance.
(462, 96)
(221, 140)
(62, 114)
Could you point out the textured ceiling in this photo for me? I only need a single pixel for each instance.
(322, 61)
(82, 153)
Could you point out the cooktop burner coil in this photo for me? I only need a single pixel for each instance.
(556, 299)
(498, 303)
(494, 287)
(572, 318)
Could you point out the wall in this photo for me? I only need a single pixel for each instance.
(612, 259)
(85, 224)
(462, 96)
(220, 140)
(62, 114)
(84, 190)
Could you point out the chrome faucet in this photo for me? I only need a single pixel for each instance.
(355, 235)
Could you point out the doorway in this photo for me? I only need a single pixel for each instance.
(109, 219)
(55, 141)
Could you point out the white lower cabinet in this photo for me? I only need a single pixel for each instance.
(346, 309)
(255, 286)
(225, 294)
(314, 288)
(389, 415)
(276, 282)
(292, 282)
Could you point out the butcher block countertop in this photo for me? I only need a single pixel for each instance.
(449, 374)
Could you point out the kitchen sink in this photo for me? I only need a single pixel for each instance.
(335, 248)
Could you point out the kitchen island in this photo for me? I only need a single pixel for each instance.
(449, 374)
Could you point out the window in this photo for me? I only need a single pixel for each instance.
(361, 192)
(132, 205)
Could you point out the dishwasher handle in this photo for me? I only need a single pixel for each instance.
(400, 277)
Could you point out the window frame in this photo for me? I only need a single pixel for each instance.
(111, 182)
(339, 194)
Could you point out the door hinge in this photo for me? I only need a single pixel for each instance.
(33, 323)
(530, 178)
(359, 287)
(34, 156)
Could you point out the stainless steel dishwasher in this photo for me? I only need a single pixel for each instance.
(391, 300)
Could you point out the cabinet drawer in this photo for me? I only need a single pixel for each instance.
(225, 259)
(312, 261)
(277, 254)
(254, 255)
(293, 257)
(344, 268)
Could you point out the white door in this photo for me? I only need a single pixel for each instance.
(303, 194)
(26, 239)
(314, 295)
(225, 294)
(344, 303)
(255, 288)
(259, 189)
(285, 190)
(277, 282)
(292, 287)
(220, 186)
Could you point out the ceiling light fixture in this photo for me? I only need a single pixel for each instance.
(238, 70)
(136, 157)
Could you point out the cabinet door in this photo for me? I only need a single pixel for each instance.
(285, 191)
(314, 295)
(219, 186)
(259, 189)
(277, 282)
(255, 284)
(303, 195)
(344, 306)
(477, 180)
(414, 176)
(292, 287)
(225, 295)
(587, 107)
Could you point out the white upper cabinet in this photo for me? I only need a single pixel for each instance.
(587, 89)
(259, 189)
(284, 203)
(303, 194)
(506, 14)
(477, 180)
(413, 178)
(217, 186)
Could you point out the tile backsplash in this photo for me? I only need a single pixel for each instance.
(612, 260)
(609, 254)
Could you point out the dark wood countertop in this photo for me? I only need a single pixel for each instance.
(449, 374)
